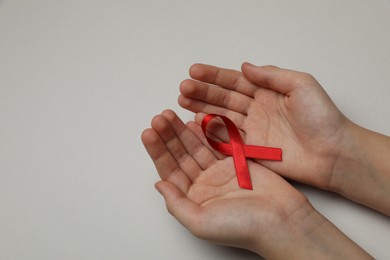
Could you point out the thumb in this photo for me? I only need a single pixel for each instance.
(183, 209)
(281, 80)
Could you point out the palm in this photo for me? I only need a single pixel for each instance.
(303, 121)
(208, 199)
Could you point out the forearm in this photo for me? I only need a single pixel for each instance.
(312, 237)
(323, 240)
(362, 172)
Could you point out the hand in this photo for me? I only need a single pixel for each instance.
(273, 107)
(201, 191)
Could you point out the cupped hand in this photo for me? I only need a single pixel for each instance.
(273, 107)
(201, 191)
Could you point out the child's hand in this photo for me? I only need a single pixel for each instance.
(201, 191)
(273, 107)
(288, 109)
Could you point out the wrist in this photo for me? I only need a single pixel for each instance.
(347, 158)
(308, 235)
(318, 238)
(362, 169)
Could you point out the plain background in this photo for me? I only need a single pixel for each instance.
(80, 80)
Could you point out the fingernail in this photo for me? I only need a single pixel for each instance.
(249, 64)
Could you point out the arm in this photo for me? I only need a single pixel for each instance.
(315, 237)
(362, 171)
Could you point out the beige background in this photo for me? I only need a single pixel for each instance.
(79, 80)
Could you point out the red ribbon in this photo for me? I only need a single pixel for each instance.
(239, 151)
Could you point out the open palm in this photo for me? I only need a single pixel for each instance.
(200, 188)
(272, 107)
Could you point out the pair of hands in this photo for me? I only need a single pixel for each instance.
(271, 107)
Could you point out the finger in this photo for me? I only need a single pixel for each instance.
(281, 80)
(183, 209)
(175, 147)
(194, 147)
(197, 130)
(217, 129)
(216, 95)
(226, 78)
(200, 106)
(165, 163)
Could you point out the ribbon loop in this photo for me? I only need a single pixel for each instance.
(239, 150)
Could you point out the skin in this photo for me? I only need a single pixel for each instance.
(289, 109)
(200, 190)
(271, 107)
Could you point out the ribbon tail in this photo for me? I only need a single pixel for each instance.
(263, 152)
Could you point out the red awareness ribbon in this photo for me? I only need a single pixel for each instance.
(239, 150)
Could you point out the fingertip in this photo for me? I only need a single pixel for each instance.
(158, 187)
(183, 101)
(187, 87)
(247, 65)
(155, 121)
(152, 142)
(190, 124)
(148, 136)
(179, 100)
(161, 125)
(249, 70)
(168, 113)
(145, 133)
(169, 191)
(196, 70)
(199, 117)
(174, 120)
(182, 85)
